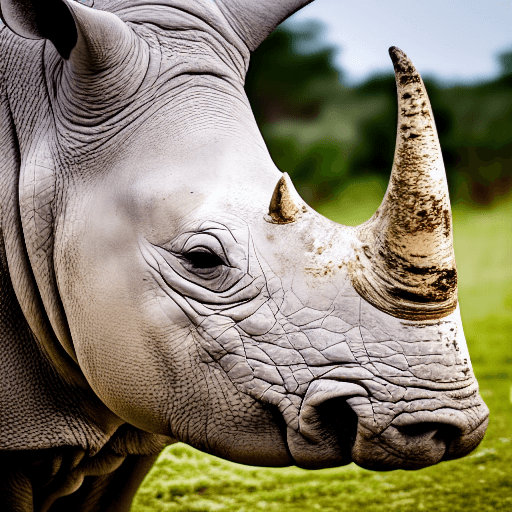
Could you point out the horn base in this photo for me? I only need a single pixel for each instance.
(403, 290)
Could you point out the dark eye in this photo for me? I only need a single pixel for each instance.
(203, 259)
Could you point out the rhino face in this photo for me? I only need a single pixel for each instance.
(199, 295)
(196, 315)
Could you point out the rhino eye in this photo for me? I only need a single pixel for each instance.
(202, 259)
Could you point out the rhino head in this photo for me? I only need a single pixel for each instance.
(181, 277)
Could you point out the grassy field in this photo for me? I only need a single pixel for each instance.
(186, 480)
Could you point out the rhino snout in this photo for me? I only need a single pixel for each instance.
(334, 430)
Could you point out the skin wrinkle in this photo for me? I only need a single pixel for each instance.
(282, 403)
(180, 41)
(105, 139)
(183, 10)
(61, 365)
(229, 19)
(45, 246)
(79, 102)
(233, 47)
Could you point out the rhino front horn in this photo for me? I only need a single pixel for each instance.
(406, 266)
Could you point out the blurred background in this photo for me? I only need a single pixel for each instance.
(329, 121)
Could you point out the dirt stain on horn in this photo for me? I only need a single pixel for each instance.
(406, 266)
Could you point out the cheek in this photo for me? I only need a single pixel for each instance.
(124, 332)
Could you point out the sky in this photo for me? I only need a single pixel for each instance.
(453, 40)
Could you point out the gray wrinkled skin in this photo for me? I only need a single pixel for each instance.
(150, 294)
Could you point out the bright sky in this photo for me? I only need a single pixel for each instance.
(455, 40)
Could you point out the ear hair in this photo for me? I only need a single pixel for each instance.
(42, 19)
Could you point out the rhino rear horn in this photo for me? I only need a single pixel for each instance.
(407, 266)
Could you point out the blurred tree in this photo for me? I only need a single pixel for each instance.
(295, 93)
(505, 60)
(285, 83)
(481, 136)
(324, 133)
(376, 146)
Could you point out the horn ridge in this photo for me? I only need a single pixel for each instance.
(406, 265)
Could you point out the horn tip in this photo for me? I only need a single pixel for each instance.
(394, 52)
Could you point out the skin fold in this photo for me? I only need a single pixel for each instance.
(162, 280)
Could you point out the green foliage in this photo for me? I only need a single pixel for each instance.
(187, 480)
(324, 133)
(283, 82)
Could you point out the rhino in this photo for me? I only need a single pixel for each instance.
(162, 281)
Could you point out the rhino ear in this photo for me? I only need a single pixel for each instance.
(96, 36)
(38, 19)
(254, 20)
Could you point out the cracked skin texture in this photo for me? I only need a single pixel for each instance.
(150, 296)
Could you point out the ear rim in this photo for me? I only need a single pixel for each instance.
(33, 19)
(254, 21)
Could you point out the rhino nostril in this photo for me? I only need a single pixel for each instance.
(327, 425)
(433, 430)
(325, 413)
(338, 421)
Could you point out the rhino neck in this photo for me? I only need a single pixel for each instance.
(37, 400)
(44, 395)
(28, 174)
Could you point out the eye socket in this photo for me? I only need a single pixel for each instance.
(203, 259)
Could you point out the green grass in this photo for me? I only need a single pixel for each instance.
(186, 480)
